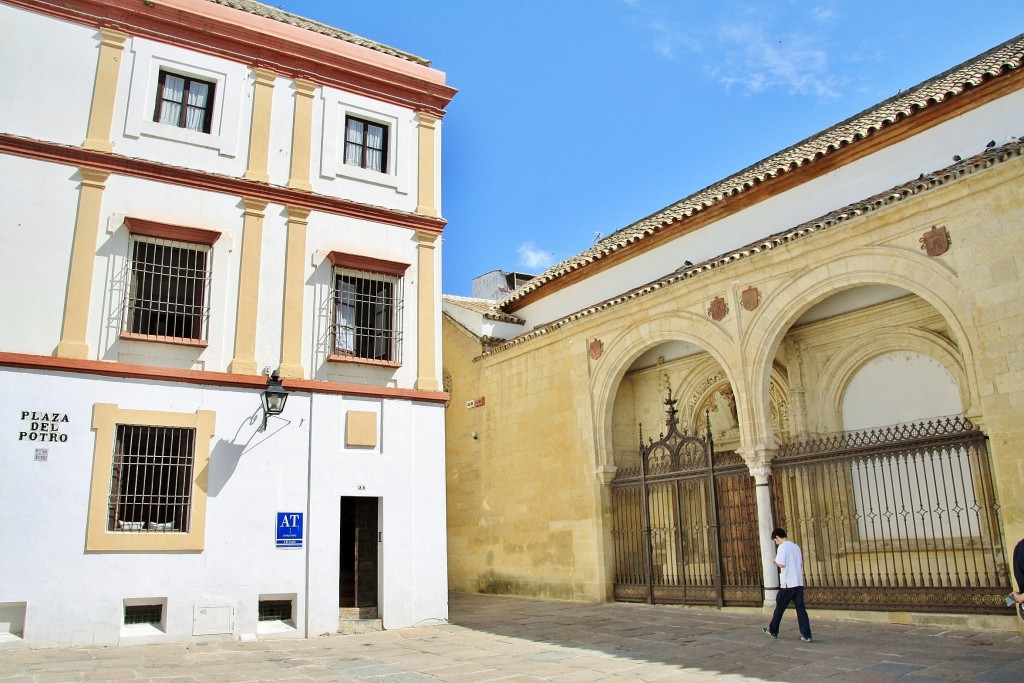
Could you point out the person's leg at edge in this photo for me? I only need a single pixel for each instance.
(801, 612)
(781, 603)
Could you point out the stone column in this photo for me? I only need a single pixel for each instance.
(244, 361)
(104, 91)
(758, 458)
(302, 135)
(426, 314)
(73, 332)
(426, 204)
(293, 317)
(259, 133)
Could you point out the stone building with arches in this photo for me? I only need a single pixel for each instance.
(839, 328)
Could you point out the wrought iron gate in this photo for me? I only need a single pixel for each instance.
(901, 518)
(685, 524)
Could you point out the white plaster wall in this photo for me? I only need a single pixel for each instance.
(329, 233)
(49, 76)
(223, 151)
(395, 189)
(917, 387)
(176, 205)
(926, 152)
(36, 226)
(282, 119)
(406, 472)
(75, 598)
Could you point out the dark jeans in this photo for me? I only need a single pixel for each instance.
(796, 596)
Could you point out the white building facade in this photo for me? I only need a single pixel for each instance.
(187, 212)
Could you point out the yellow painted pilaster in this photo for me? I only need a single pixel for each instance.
(427, 185)
(259, 134)
(302, 135)
(244, 361)
(104, 93)
(426, 347)
(291, 323)
(83, 257)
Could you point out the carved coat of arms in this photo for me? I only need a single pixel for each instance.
(750, 298)
(718, 308)
(935, 242)
(596, 349)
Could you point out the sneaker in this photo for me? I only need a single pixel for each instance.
(769, 633)
(806, 639)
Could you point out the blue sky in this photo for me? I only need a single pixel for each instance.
(578, 117)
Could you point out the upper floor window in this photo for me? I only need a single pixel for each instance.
(151, 479)
(366, 144)
(169, 282)
(368, 301)
(184, 102)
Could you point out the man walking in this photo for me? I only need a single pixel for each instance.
(791, 586)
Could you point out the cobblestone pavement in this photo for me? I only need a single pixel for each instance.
(509, 639)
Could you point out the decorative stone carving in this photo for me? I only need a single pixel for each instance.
(935, 242)
(750, 298)
(718, 309)
(595, 349)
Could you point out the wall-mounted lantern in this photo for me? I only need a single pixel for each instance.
(274, 398)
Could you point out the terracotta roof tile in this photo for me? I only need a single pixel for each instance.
(269, 12)
(925, 183)
(1000, 59)
(486, 307)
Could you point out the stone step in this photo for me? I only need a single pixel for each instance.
(351, 613)
(353, 620)
(350, 627)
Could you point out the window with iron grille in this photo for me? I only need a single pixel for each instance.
(366, 144)
(275, 610)
(143, 614)
(169, 289)
(368, 306)
(184, 102)
(151, 479)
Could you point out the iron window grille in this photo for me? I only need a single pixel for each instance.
(366, 144)
(368, 300)
(151, 479)
(184, 102)
(169, 291)
(143, 614)
(275, 610)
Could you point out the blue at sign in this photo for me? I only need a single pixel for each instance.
(289, 529)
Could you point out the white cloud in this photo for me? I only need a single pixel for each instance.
(752, 48)
(534, 260)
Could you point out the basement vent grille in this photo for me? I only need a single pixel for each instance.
(275, 610)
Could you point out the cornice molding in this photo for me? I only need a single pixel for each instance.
(208, 378)
(217, 36)
(250, 189)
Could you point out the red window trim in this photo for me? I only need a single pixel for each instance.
(144, 228)
(373, 265)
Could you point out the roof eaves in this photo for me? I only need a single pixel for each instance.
(926, 182)
(269, 12)
(952, 82)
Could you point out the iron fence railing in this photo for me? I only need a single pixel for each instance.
(895, 518)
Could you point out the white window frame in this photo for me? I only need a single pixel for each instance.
(227, 78)
(337, 107)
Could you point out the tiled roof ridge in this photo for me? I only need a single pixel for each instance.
(950, 83)
(925, 182)
(259, 9)
(493, 312)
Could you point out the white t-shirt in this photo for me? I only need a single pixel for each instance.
(792, 561)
